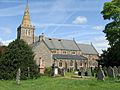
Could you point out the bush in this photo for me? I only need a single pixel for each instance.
(48, 71)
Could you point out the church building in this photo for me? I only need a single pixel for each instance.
(67, 54)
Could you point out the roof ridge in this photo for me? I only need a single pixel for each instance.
(94, 48)
(76, 44)
(59, 38)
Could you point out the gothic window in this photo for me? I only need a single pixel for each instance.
(71, 63)
(73, 52)
(60, 63)
(80, 63)
(28, 32)
(64, 52)
(54, 51)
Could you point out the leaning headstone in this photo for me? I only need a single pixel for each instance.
(100, 74)
(115, 71)
(119, 69)
(18, 76)
(111, 72)
(89, 73)
(105, 71)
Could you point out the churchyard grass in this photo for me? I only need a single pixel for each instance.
(60, 83)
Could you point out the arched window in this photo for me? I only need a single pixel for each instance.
(71, 63)
(60, 63)
(80, 63)
(28, 32)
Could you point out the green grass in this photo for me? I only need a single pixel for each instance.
(58, 83)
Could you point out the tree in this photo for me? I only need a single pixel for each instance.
(18, 55)
(111, 11)
(2, 49)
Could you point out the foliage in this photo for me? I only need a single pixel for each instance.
(2, 49)
(111, 11)
(48, 71)
(17, 55)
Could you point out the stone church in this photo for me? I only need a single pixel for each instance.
(66, 54)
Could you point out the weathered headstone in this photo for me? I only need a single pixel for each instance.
(119, 69)
(82, 70)
(105, 71)
(89, 73)
(28, 72)
(100, 74)
(63, 72)
(111, 72)
(18, 76)
(115, 71)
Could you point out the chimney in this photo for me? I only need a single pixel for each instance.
(42, 37)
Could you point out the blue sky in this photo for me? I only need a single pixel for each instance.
(68, 19)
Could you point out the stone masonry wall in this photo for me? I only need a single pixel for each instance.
(41, 51)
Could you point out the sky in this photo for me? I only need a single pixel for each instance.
(65, 19)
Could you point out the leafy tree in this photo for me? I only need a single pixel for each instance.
(2, 49)
(17, 55)
(111, 11)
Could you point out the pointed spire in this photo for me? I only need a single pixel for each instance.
(26, 18)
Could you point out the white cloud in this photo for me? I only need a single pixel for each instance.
(80, 20)
(99, 27)
(5, 42)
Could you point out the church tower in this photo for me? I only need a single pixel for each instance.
(26, 31)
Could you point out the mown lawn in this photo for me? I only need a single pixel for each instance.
(48, 83)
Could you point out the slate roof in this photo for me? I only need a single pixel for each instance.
(54, 43)
(64, 44)
(69, 57)
(87, 49)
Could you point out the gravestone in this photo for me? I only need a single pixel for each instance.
(56, 71)
(111, 72)
(100, 74)
(28, 72)
(76, 73)
(105, 71)
(82, 70)
(89, 73)
(63, 72)
(115, 71)
(119, 69)
(18, 76)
